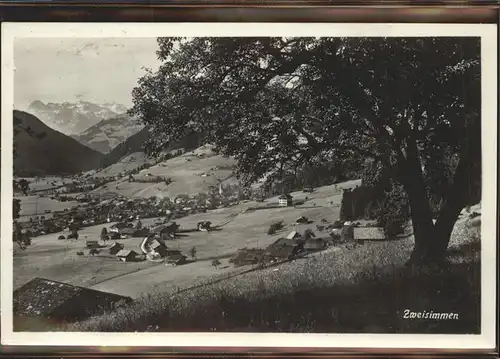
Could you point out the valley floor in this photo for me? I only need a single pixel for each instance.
(55, 259)
(329, 291)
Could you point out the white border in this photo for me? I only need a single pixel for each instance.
(489, 130)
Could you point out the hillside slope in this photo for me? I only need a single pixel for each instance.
(43, 151)
(135, 143)
(131, 145)
(109, 133)
(191, 173)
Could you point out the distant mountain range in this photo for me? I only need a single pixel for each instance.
(74, 118)
(41, 150)
(107, 134)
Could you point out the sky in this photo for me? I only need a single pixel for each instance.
(99, 70)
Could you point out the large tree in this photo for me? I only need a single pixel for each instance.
(276, 104)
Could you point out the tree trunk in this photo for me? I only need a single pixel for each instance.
(431, 240)
(428, 244)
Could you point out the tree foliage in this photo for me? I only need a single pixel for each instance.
(411, 105)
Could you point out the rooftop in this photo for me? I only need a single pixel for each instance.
(41, 297)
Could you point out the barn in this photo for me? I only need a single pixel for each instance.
(159, 247)
(126, 255)
(166, 231)
(48, 302)
(115, 248)
(294, 235)
(175, 257)
(284, 248)
(204, 226)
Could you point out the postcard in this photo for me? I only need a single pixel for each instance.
(247, 185)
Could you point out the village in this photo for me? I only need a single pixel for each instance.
(200, 238)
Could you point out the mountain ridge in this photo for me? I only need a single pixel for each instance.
(107, 134)
(42, 150)
(72, 118)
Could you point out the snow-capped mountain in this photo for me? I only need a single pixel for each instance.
(74, 118)
(109, 133)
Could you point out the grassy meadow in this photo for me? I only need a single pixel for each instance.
(360, 290)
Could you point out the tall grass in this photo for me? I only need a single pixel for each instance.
(365, 289)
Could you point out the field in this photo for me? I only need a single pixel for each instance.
(191, 173)
(366, 289)
(56, 259)
(45, 183)
(41, 206)
(349, 284)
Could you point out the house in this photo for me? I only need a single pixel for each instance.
(176, 258)
(91, 244)
(282, 252)
(285, 200)
(166, 231)
(119, 227)
(294, 235)
(204, 226)
(246, 256)
(159, 247)
(284, 248)
(49, 302)
(361, 234)
(302, 220)
(115, 248)
(126, 255)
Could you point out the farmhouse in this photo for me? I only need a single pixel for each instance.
(126, 255)
(247, 256)
(60, 302)
(115, 248)
(158, 247)
(285, 200)
(166, 231)
(119, 227)
(368, 234)
(285, 252)
(204, 226)
(294, 235)
(175, 257)
(284, 248)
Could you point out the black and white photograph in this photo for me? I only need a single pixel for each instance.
(247, 181)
